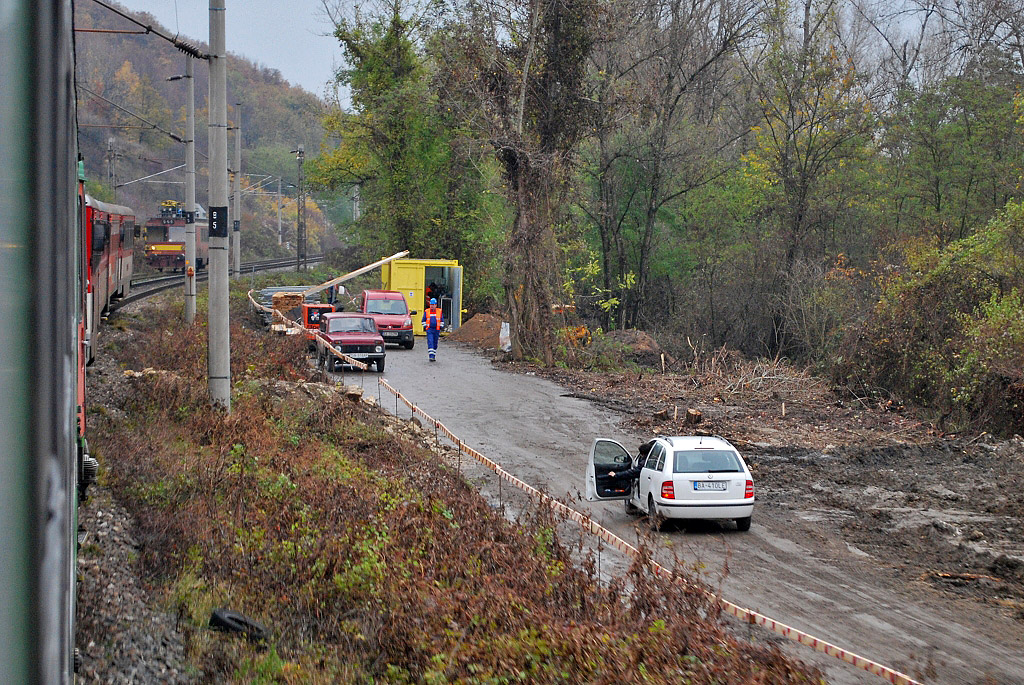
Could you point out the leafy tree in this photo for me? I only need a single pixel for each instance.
(662, 76)
(421, 183)
(956, 151)
(520, 68)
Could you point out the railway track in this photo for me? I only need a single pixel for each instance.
(151, 286)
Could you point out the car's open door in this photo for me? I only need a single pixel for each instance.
(606, 456)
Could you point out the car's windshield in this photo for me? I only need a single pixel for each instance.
(386, 307)
(706, 461)
(351, 325)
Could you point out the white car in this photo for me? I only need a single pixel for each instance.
(690, 477)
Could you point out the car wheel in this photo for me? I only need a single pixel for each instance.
(380, 365)
(654, 517)
(409, 345)
(743, 524)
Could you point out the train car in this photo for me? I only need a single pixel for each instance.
(40, 320)
(165, 237)
(109, 239)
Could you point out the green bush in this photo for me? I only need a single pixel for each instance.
(948, 330)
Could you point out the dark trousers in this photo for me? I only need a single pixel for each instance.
(432, 337)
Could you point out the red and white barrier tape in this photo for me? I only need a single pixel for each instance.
(591, 526)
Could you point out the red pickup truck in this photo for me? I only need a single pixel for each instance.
(391, 314)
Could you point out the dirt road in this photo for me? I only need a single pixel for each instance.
(794, 565)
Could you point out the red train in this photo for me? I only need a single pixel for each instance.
(165, 238)
(108, 233)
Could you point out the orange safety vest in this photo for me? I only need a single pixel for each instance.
(432, 319)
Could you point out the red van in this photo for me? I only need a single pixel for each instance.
(391, 314)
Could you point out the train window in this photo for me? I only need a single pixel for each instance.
(128, 230)
(99, 235)
(136, 230)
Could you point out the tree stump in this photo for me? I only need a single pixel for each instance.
(693, 417)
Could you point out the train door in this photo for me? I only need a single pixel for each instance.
(116, 236)
(128, 261)
(100, 264)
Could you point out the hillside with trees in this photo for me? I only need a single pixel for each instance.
(832, 181)
(127, 108)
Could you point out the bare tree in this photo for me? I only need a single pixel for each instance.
(662, 76)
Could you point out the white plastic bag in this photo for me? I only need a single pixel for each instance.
(505, 337)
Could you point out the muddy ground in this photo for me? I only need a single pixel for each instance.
(942, 509)
(873, 528)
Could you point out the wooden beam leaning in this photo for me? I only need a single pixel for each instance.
(352, 274)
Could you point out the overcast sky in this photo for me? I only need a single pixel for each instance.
(286, 35)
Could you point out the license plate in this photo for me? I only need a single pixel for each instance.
(710, 485)
(390, 334)
(357, 355)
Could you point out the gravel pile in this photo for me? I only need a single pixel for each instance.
(123, 636)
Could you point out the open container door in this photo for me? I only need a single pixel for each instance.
(607, 455)
(455, 280)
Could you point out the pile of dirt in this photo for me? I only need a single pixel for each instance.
(639, 347)
(480, 331)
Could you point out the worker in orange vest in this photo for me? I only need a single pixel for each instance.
(433, 320)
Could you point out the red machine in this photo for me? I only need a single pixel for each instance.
(165, 238)
(109, 238)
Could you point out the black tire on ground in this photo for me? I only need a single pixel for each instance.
(654, 519)
(380, 365)
(743, 524)
(409, 345)
(233, 622)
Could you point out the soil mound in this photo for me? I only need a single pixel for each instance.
(638, 347)
(481, 330)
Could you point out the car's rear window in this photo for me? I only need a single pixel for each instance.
(705, 461)
(396, 306)
(351, 325)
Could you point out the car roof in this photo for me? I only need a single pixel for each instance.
(385, 294)
(697, 442)
(346, 315)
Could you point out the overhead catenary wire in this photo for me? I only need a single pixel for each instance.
(150, 124)
(182, 45)
(187, 48)
(158, 127)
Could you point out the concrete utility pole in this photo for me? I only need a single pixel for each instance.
(280, 231)
(219, 340)
(300, 216)
(236, 232)
(190, 193)
(111, 178)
